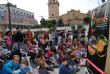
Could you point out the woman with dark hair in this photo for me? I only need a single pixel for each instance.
(8, 40)
(34, 45)
(25, 47)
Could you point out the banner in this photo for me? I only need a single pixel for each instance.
(1, 12)
(5, 16)
(98, 38)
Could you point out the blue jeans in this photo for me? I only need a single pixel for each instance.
(19, 45)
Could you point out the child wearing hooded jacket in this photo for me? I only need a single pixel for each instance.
(24, 68)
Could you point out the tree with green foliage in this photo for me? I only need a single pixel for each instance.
(60, 22)
(47, 23)
(50, 24)
(43, 22)
(87, 20)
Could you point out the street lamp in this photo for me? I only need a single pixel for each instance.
(9, 17)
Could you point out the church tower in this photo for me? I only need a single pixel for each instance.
(53, 9)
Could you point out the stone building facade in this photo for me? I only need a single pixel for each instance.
(19, 17)
(73, 17)
(53, 9)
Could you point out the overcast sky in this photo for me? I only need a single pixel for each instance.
(40, 8)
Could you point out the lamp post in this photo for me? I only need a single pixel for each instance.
(9, 17)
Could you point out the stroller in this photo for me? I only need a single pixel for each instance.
(24, 56)
(5, 54)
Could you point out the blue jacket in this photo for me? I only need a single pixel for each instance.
(9, 67)
(73, 65)
(65, 70)
(25, 70)
(0, 71)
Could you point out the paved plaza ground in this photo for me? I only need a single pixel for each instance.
(82, 71)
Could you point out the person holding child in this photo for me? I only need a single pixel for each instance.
(24, 68)
(12, 65)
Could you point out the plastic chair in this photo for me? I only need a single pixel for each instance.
(28, 58)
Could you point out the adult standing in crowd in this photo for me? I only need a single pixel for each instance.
(68, 40)
(8, 40)
(15, 45)
(19, 38)
(29, 35)
(53, 39)
(50, 39)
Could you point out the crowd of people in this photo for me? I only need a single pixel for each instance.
(45, 50)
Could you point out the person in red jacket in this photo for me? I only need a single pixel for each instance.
(29, 35)
(49, 53)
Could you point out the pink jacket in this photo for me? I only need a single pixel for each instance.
(35, 71)
(8, 41)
